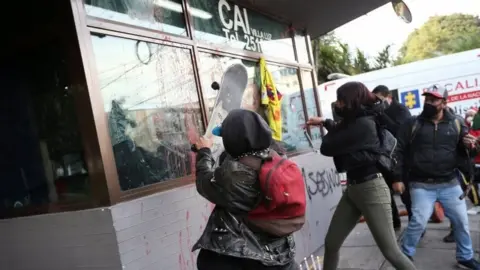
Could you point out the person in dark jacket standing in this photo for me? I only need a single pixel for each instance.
(395, 115)
(355, 146)
(228, 241)
(431, 155)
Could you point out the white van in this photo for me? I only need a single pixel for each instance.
(459, 73)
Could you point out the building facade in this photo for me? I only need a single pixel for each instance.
(108, 96)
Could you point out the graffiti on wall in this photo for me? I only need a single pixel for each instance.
(320, 182)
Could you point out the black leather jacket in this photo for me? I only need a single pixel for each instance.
(234, 189)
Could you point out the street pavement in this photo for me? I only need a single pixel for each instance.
(360, 252)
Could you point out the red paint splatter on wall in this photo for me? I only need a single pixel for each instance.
(212, 206)
(148, 250)
(189, 242)
(182, 263)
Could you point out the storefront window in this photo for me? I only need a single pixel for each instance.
(302, 51)
(293, 119)
(161, 15)
(42, 156)
(311, 105)
(150, 100)
(222, 22)
(211, 70)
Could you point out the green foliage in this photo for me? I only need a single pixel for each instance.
(334, 56)
(441, 35)
(360, 63)
(383, 59)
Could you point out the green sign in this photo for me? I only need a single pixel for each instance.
(229, 22)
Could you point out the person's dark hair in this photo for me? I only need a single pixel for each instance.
(355, 95)
(381, 90)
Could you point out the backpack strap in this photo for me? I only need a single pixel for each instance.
(416, 125)
(458, 127)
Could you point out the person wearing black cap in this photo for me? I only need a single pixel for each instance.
(228, 241)
(428, 151)
(395, 115)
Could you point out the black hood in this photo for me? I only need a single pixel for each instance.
(245, 131)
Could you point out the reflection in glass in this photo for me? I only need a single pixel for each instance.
(42, 156)
(302, 51)
(237, 27)
(311, 105)
(151, 102)
(293, 119)
(161, 15)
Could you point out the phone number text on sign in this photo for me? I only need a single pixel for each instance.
(252, 37)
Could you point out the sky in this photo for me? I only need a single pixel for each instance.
(363, 31)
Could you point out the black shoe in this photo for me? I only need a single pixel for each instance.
(449, 238)
(470, 264)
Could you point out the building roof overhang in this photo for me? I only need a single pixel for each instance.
(317, 17)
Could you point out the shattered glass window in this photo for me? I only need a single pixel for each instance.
(161, 15)
(151, 103)
(315, 133)
(222, 23)
(211, 70)
(293, 118)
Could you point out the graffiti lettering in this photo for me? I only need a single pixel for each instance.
(321, 182)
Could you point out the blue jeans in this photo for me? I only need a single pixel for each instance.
(423, 200)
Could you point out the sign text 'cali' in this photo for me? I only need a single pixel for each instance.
(239, 21)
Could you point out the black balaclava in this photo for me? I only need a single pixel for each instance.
(245, 132)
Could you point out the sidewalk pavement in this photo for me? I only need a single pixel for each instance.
(359, 252)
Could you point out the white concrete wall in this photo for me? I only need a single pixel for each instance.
(150, 233)
(323, 193)
(157, 232)
(83, 240)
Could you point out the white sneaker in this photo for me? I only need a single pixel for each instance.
(474, 210)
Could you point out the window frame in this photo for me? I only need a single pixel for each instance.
(85, 25)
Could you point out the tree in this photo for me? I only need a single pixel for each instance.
(383, 59)
(441, 35)
(360, 63)
(333, 56)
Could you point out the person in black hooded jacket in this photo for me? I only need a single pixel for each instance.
(229, 241)
(394, 115)
(356, 146)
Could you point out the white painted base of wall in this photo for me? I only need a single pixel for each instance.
(150, 233)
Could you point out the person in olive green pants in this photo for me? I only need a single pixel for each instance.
(358, 144)
(372, 200)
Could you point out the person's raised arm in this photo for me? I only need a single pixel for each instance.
(205, 170)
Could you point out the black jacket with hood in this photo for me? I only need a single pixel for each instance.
(354, 143)
(432, 151)
(394, 116)
(235, 191)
